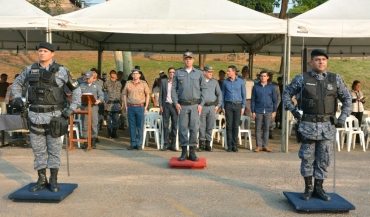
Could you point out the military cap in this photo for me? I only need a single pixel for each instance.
(136, 70)
(47, 45)
(112, 71)
(137, 67)
(88, 74)
(104, 73)
(161, 72)
(319, 52)
(188, 54)
(208, 68)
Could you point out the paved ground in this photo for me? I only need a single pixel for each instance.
(114, 181)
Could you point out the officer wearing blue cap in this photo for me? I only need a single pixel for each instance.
(44, 81)
(89, 86)
(188, 96)
(317, 93)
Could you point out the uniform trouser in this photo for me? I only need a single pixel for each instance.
(207, 122)
(233, 113)
(169, 111)
(316, 157)
(248, 110)
(262, 123)
(46, 150)
(136, 122)
(112, 119)
(100, 113)
(94, 122)
(189, 122)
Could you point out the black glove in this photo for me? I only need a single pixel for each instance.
(296, 114)
(339, 125)
(67, 112)
(18, 103)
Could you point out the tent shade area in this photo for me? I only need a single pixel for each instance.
(207, 26)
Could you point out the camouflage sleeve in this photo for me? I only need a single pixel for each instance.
(292, 89)
(345, 97)
(76, 93)
(19, 83)
(100, 94)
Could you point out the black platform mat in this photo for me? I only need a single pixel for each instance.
(315, 205)
(44, 196)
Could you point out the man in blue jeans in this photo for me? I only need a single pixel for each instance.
(136, 100)
(264, 105)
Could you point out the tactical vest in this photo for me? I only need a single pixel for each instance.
(319, 97)
(43, 88)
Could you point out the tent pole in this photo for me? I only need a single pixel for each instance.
(288, 114)
(100, 57)
(26, 50)
(250, 64)
(283, 118)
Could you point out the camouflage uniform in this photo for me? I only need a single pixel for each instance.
(46, 149)
(315, 150)
(113, 97)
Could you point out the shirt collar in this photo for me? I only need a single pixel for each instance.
(319, 75)
(48, 66)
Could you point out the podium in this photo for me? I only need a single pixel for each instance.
(86, 99)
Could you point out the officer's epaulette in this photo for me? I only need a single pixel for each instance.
(142, 81)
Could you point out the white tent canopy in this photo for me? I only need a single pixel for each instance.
(335, 18)
(210, 26)
(19, 14)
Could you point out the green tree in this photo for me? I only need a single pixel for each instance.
(264, 6)
(301, 6)
(52, 7)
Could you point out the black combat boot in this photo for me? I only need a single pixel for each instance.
(192, 155)
(109, 133)
(53, 184)
(319, 192)
(308, 190)
(84, 145)
(184, 153)
(165, 147)
(208, 146)
(229, 148)
(42, 182)
(270, 135)
(93, 143)
(114, 133)
(97, 140)
(201, 145)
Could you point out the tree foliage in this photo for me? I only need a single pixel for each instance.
(264, 6)
(52, 7)
(301, 6)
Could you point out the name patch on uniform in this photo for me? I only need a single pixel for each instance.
(310, 84)
(34, 71)
(329, 87)
(181, 81)
(180, 75)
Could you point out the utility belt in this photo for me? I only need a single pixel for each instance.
(57, 127)
(234, 103)
(191, 102)
(37, 109)
(114, 101)
(316, 118)
(211, 103)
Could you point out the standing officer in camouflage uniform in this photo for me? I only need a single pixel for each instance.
(113, 92)
(317, 92)
(136, 100)
(213, 101)
(89, 86)
(188, 96)
(44, 81)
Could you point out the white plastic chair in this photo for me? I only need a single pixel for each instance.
(351, 128)
(220, 130)
(75, 129)
(246, 131)
(77, 119)
(153, 123)
(366, 127)
(155, 109)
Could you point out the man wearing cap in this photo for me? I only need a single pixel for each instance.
(168, 111)
(123, 115)
(97, 79)
(248, 86)
(155, 84)
(221, 76)
(89, 86)
(188, 96)
(113, 103)
(233, 105)
(213, 101)
(136, 100)
(44, 81)
(317, 92)
(257, 80)
(104, 77)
